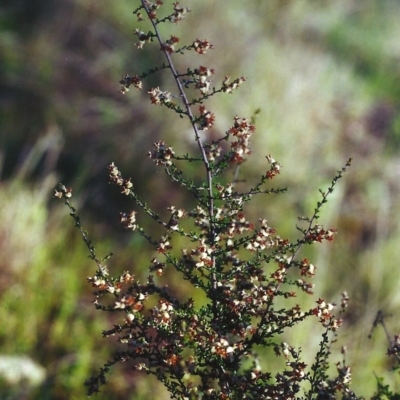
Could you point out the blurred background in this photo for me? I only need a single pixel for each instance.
(326, 78)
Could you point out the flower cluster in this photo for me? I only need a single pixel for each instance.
(200, 76)
(324, 313)
(201, 46)
(161, 154)
(263, 239)
(179, 12)
(206, 119)
(151, 8)
(169, 45)
(275, 168)
(143, 38)
(116, 178)
(199, 257)
(176, 215)
(242, 130)
(162, 315)
(128, 80)
(163, 244)
(128, 220)
(63, 192)
(213, 151)
(222, 348)
(318, 234)
(306, 268)
(157, 96)
(229, 87)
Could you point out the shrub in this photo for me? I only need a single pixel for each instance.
(248, 275)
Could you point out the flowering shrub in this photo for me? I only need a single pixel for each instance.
(246, 271)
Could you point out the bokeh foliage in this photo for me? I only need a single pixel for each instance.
(326, 78)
